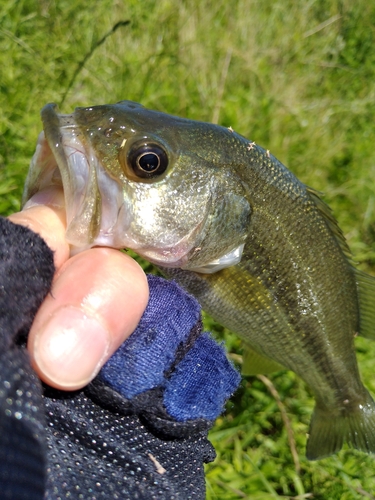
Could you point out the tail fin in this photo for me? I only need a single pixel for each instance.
(355, 426)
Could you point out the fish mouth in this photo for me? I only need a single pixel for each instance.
(63, 157)
(98, 213)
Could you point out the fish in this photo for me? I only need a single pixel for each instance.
(260, 250)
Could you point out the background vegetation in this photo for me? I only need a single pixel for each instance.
(297, 77)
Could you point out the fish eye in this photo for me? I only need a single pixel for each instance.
(147, 160)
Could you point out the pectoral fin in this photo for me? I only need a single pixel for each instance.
(255, 363)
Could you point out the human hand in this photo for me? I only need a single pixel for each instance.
(96, 301)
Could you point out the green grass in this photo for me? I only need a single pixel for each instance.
(297, 77)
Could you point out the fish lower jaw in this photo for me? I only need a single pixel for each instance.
(172, 258)
(168, 257)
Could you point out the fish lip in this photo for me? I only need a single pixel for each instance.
(52, 131)
(49, 158)
(52, 128)
(60, 131)
(61, 149)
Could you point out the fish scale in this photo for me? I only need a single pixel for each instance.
(223, 217)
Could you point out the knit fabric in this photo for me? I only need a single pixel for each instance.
(151, 349)
(26, 271)
(197, 386)
(139, 430)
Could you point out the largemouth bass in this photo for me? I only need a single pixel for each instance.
(258, 249)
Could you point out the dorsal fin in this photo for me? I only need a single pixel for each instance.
(365, 282)
(366, 295)
(328, 216)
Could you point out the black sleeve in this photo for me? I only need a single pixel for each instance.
(26, 271)
(139, 430)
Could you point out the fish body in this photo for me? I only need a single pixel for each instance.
(224, 218)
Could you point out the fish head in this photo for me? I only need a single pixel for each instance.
(161, 185)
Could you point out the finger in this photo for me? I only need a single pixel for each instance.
(96, 302)
(44, 214)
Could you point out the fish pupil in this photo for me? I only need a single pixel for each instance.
(149, 162)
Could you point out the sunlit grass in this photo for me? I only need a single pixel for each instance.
(296, 77)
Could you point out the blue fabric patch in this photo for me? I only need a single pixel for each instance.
(201, 383)
(140, 362)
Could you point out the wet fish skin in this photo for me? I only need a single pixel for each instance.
(294, 297)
